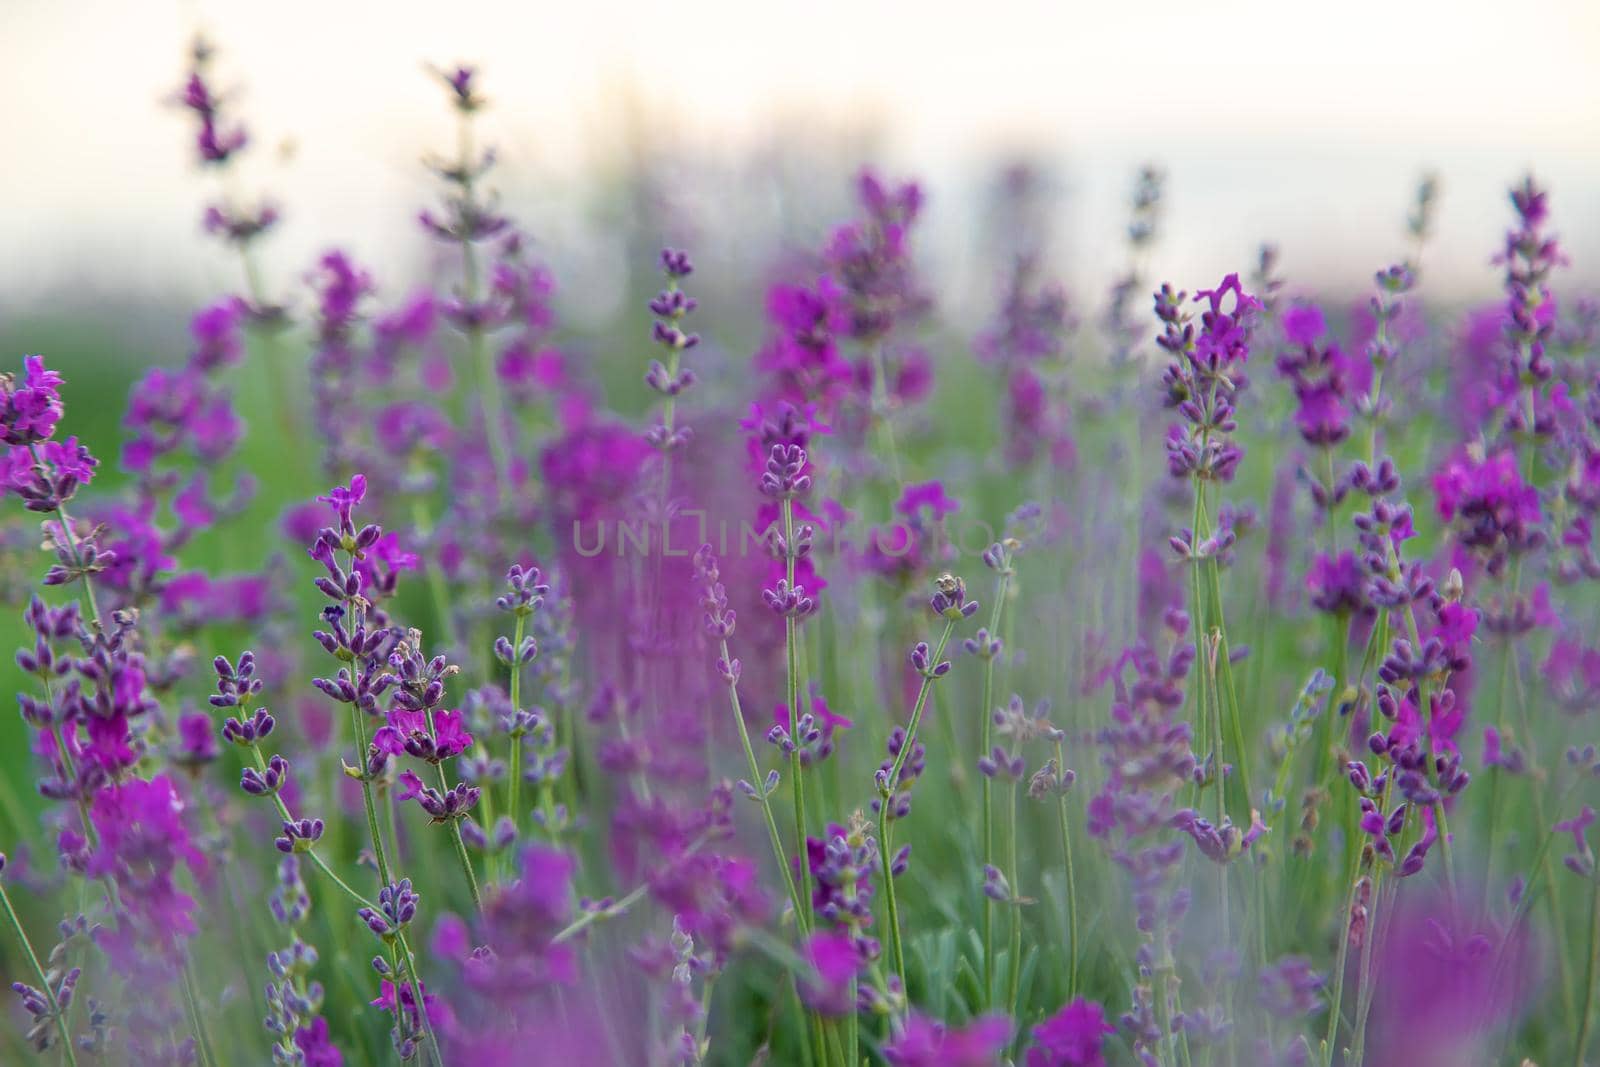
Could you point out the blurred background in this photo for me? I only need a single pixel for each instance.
(1304, 124)
(733, 128)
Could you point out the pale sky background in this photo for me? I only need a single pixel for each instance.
(1304, 123)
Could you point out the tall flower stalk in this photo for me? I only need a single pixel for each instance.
(1202, 382)
(987, 645)
(524, 594)
(949, 603)
(359, 684)
(784, 479)
(469, 220)
(719, 621)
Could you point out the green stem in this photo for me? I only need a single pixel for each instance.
(1330, 1042)
(515, 783)
(77, 554)
(208, 1055)
(1072, 884)
(44, 982)
(455, 833)
(1340, 623)
(589, 918)
(1563, 966)
(1211, 643)
(987, 715)
(359, 718)
(1426, 711)
(886, 793)
(1368, 987)
(916, 709)
(880, 409)
(1198, 628)
(833, 1047)
(792, 695)
(852, 1032)
(1377, 910)
(68, 765)
(461, 847)
(322, 865)
(801, 911)
(705, 1018)
(618, 907)
(478, 349)
(1014, 985)
(1162, 975)
(885, 860)
(1587, 1011)
(1497, 773)
(1333, 527)
(1241, 754)
(438, 588)
(309, 853)
(416, 993)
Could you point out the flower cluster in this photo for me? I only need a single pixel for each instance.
(1204, 376)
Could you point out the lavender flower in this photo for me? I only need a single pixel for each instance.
(1072, 1037)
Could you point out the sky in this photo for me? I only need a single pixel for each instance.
(1308, 124)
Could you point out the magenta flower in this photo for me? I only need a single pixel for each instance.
(1072, 1037)
(1224, 338)
(1303, 324)
(215, 429)
(316, 1046)
(1447, 979)
(432, 1006)
(518, 922)
(344, 499)
(1491, 484)
(1493, 512)
(197, 739)
(193, 507)
(802, 353)
(1322, 417)
(593, 466)
(410, 785)
(110, 742)
(835, 960)
(216, 336)
(926, 497)
(70, 458)
(143, 844)
(1576, 826)
(1497, 754)
(1204, 376)
(1580, 860)
(1572, 670)
(925, 1042)
(1321, 376)
(341, 286)
(1336, 583)
(450, 736)
(817, 727)
(30, 409)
